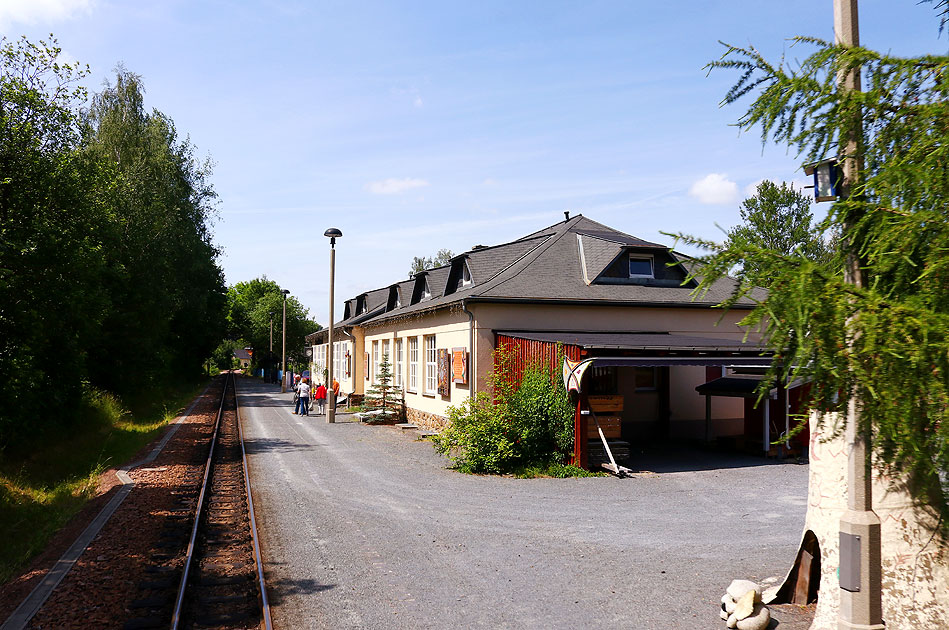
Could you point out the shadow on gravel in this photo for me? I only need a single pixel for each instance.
(278, 590)
(668, 458)
(266, 400)
(274, 445)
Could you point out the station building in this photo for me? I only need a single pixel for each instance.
(687, 369)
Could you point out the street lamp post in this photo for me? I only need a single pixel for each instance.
(332, 234)
(270, 354)
(283, 354)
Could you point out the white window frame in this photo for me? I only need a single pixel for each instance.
(465, 275)
(426, 291)
(385, 351)
(646, 257)
(337, 362)
(431, 365)
(397, 362)
(375, 360)
(413, 364)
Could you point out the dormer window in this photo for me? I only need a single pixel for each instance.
(641, 266)
(465, 276)
(426, 292)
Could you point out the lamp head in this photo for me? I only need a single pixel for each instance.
(333, 234)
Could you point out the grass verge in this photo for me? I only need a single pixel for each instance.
(560, 471)
(45, 483)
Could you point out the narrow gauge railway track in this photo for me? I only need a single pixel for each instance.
(207, 571)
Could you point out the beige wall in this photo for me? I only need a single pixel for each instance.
(347, 384)
(450, 329)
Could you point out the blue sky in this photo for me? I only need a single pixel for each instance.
(413, 126)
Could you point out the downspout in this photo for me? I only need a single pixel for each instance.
(471, 349)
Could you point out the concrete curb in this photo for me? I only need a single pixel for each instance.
(41, 592)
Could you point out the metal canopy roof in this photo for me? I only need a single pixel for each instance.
(648, 342)
(731, 386)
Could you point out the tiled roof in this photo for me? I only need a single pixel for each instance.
(547, 266)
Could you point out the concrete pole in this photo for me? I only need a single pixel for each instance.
(861, 601)
(283, 353)
(330, 393)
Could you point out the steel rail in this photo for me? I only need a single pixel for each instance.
(264, 603)
(182, 586)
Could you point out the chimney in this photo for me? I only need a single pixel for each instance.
(566, 215)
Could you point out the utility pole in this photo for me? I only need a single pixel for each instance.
(861, 599)
(270, 354)
(283, 354)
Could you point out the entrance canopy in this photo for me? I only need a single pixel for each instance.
(646, 349)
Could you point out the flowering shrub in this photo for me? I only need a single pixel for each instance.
(530, 424)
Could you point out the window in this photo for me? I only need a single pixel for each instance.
(413, 364)
(386, 355)
(431, 365)
(398, 363)
(375, 361)
(465, 275)
(640, 267)
(426, 292)
(337, 361)
(602, 380)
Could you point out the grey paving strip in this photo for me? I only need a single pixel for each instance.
(41, 592)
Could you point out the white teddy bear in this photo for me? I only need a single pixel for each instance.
(742, 607)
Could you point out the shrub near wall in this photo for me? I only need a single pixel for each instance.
(530, 425)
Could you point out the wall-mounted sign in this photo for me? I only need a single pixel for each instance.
(459, 366)
(444, 372)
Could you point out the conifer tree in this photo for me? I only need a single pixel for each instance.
(383, 395)
(885, 344)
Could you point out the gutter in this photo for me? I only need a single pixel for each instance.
(473, 356)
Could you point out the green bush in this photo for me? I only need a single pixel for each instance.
(522, 426)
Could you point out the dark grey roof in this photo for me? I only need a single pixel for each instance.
(546, 266)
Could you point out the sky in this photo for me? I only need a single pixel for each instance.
(416, 126)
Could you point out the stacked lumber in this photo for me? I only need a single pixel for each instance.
(597, 454)
(612, 427)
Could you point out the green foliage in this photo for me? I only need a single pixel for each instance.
(252, 305)
(443, 257)
(778, 219)
(522, 426)
(556, 470)
(107, 271)
(478, 438)
(882, 344)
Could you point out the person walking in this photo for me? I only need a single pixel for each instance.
(296, 395)
(319, 397)
(304, 392)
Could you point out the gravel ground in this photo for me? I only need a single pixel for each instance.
(365, 527)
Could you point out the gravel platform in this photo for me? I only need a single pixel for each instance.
(366, 527)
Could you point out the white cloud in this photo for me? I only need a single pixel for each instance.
(418, 101)
(34, 11)
(394, 186)
(715, 188)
